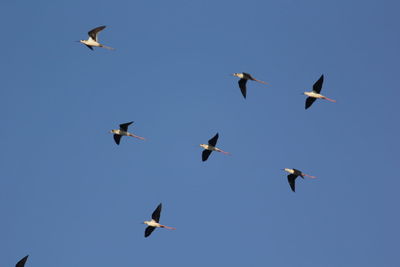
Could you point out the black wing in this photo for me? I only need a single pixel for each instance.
(242, 86)
(117, 138)
(318, 84)
(21, 263)
(291, 179)
(124, 126)
(156, 213)
(213, 141)
(93, 33)
(310, 101)
(206, 153)
(148, 231)
(88, 46)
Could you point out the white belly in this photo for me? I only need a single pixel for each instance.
(92, 42)
(208, 147)
(121, 132)
(153, 223)
(313, 94)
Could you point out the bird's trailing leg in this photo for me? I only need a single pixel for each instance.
(139, 137)
(334, 101)
(167, 227)
(107, 47)
(219, 150)
(310, 176)
(260, 81)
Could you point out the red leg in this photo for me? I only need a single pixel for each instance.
(260, 81)
(139, 137)
(167, 227)
(226, 153)
(334, 101)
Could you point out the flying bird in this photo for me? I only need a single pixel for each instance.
(21, 263)
(154, 223)
(293, 174)
(210, 148)
(315, 93)
(93, 41)
(123, 131)
(244, 77)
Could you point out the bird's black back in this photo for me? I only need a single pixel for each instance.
(298, 172)
(247, 76)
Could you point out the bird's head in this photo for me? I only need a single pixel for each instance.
(113, 131)
(287, 170)
(240, 75)
(203, 146)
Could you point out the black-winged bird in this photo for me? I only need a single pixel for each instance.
(244, 77)
(293, 174)
(123, 131)
(154, 223)
(315, 93)
(210, 148)
(92, 41)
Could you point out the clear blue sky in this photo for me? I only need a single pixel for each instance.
(70, 197)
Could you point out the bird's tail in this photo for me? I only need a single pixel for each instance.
(334, 101)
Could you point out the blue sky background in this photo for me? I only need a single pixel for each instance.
(70, 197)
